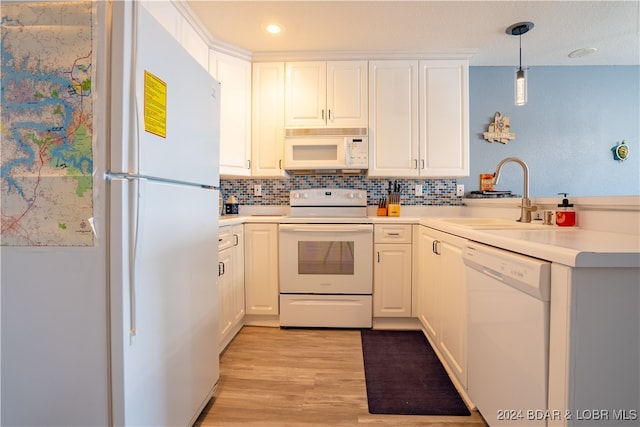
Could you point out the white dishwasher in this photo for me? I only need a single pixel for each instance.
(508, 336)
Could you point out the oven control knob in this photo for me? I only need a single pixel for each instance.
(360, 196)
(296, 195)
(350, 195)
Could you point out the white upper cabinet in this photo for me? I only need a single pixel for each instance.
(444, 118)
(234, 75)
(326, 94)
(393, 118)
(180, 28)
(267, 129)
(419, 120)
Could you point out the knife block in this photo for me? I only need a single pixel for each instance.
(393, 209)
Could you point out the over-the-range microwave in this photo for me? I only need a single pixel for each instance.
(318, 150)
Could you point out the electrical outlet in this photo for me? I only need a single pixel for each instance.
(257, 190)
(460, 190)
(418, 189)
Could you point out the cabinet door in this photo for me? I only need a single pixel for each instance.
(453, 303)
(267, 129)
(393, 118)
(225, 285)
(428, 279)
(238, 273)
(234, 75)
(305, 92)
(261, 268)
(444, 118)
(170, 15)
(392, 280)
(347, 94)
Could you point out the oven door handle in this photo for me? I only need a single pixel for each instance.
(327, 228)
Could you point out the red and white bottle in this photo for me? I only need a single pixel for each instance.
(565, 215)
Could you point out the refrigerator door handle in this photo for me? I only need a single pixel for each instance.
(135, 186)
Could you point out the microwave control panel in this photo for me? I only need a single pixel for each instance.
(357, 152)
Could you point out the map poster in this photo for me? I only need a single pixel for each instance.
(46, 124)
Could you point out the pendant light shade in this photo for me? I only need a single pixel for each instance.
(521, 87)
(521, 79)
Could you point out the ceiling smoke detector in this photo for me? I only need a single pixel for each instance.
(579, 53)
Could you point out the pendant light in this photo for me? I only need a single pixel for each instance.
(521, 79)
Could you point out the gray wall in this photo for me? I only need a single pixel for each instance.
(564, 133)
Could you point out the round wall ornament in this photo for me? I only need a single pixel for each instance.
(620, 151)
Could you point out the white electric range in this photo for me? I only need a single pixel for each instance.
(326, 260)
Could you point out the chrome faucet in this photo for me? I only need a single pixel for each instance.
(526, 208)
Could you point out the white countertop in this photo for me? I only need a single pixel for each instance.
(565, 245)
(570, 246)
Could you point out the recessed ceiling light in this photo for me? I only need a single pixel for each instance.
(579, 53)
(273, 28)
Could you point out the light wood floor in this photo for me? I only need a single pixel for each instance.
(301, 377)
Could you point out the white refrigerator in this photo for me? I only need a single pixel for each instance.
(126, 332)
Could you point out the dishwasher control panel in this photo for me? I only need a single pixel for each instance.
(530, 275)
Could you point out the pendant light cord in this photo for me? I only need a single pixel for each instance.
(521, 51)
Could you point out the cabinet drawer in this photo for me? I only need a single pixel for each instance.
(392, 233)
(225, 238)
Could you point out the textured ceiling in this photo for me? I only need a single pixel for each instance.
(386, 27)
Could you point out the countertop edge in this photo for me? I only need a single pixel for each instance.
(519, 241)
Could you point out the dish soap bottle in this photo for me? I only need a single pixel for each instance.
(565, 215)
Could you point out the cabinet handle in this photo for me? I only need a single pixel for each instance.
(220, 268)
(322, 114)
(393, 234)
(435, 247)
(329, 117)
(280, 164)
(422, 162)
(249, 164)
(378, 257)
(415, 163)
(237, 240)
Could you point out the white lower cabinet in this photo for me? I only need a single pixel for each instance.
(230, 282)
(594, 346)
(442, 303)
(392, 271)
(261, 269)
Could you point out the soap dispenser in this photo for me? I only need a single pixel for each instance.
(565, 215)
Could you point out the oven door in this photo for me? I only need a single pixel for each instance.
(326, 258)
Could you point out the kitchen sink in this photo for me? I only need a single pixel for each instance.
(492, 223)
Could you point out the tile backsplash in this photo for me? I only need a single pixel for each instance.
(435, 192)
